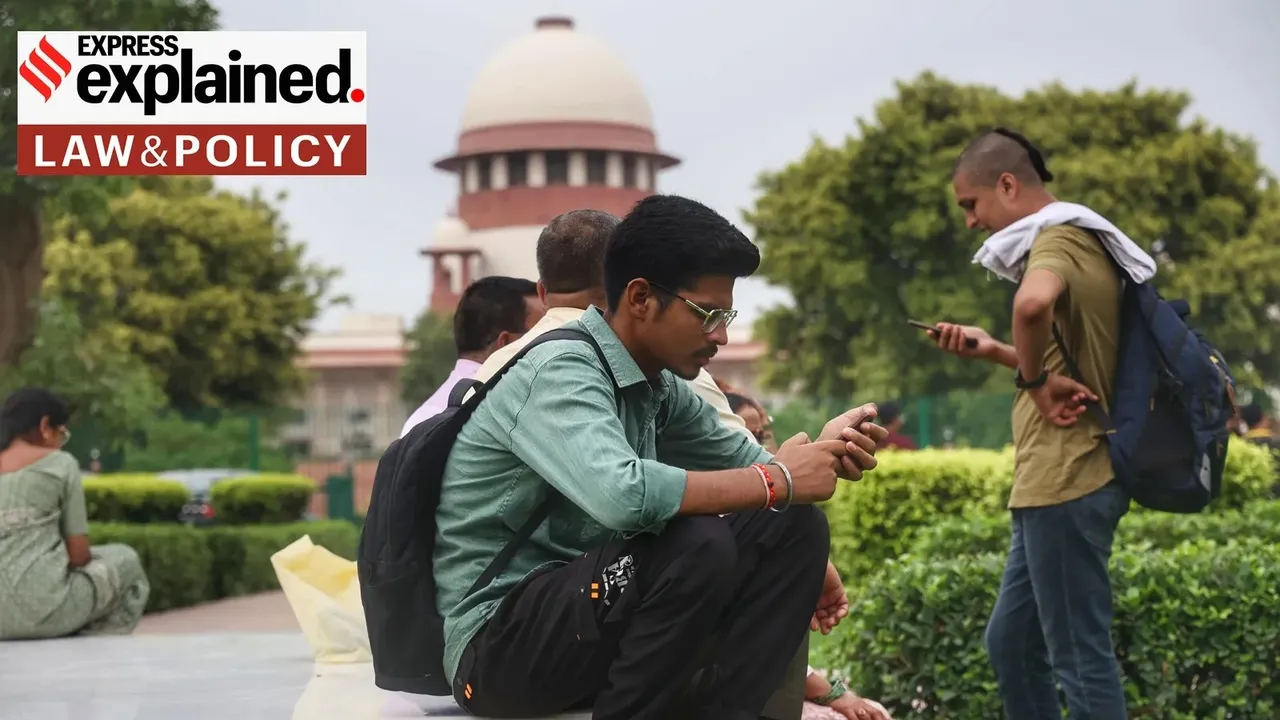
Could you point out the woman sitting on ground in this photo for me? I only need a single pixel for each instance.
(51, 582)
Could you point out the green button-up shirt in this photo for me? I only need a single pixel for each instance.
(555, 424)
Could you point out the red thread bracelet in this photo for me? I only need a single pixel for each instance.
(772, 495)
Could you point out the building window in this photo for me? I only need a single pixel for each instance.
(517, 170)
(628, 170)
(558, 167)
(485, 165)
(595, 167)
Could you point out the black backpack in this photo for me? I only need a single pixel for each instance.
(397, 582)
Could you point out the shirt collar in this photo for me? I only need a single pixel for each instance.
(465, 367)
(624, 368)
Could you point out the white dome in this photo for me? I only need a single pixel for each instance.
(451, 232)
(555, 73)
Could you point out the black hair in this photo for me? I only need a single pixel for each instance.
(737, 401)
(674, 241)
(24, 409)
(888, 412)
(571, 250)
(487, 307)
(1251, 414)
(1001, 151)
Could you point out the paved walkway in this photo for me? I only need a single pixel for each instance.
(266, 612)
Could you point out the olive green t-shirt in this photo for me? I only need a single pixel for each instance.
(1054, 465)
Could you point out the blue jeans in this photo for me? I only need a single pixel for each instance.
(1053, 616)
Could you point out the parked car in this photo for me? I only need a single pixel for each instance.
(198, 511)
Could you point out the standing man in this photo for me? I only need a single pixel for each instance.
(492, 313)
(634, 584)
(1054, 612)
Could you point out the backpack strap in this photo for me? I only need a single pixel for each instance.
(540, 514)
(1092, 407)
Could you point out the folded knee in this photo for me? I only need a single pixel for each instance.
(807, 528)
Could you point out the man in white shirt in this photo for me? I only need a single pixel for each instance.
(493, 313)
(570, 257)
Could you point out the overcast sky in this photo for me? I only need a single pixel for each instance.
(736, 87)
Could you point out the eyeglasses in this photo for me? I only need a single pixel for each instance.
(712, 320)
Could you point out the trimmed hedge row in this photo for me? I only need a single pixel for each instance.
(139, 498)
(877, 519)
(272, 498)
(134, 498)
(190, 565)
(979, 534)
(1197, 633)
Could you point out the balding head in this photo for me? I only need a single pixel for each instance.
(999, 179)
(999, 152)
(571, 251)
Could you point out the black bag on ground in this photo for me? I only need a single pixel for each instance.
(394, 559)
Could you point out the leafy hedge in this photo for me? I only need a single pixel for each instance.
(977, 534)
(189, 565)
(1197, 632)
(878, 518)
(138, 498)
(134, 498)
(265, 498)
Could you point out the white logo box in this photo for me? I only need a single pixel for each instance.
(280, 49)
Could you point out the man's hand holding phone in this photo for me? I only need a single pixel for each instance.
(965, 341)
(862, 436)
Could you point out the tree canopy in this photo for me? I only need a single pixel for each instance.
(204, 286)
(866, 234)
(432, 355)
(21, 198)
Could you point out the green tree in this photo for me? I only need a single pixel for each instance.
(169, 441)
(866, 234)
(108, 389)
(204, 285)
(21, 198)
(432, 355)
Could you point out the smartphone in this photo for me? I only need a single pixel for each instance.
(968, 342)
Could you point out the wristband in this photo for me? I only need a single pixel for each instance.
(771, 496)
(791, 488)
(1024, 384)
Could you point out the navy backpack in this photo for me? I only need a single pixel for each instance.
(1172, 398)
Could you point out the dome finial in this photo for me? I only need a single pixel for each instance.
(554, 21)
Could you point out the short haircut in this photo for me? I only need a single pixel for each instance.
(1002, 151)
(489, 306)
(571, 251)
(888, 412)
(738, 401)
(23, 411)
(1251, 414)
(674, 241)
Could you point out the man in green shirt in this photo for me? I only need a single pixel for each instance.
(635, 584)
(1054, 612)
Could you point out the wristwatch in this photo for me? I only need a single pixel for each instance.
(1023, 384)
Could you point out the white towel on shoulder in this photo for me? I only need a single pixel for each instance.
(1005, 253)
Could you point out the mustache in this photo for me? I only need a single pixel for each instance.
(709, 352)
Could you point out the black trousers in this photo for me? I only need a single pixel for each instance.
(625, 629)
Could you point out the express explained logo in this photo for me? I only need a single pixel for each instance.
(40, 74)
(175, 76)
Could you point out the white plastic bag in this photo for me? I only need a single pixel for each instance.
(324, 592)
